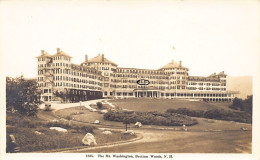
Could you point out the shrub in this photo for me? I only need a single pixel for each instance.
(233, 107)
(22, 121)
(77, 113)
(152, 118)
(99, 105)
(186, 111)
(219, 114)
(69, 117)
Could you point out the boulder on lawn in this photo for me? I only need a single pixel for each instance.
(59, 129)
(131, 132)
(244, 129)
(138, 124)
(47, 106)
(107, 132)
(96, 122)
(39, 133)
(54, 120)
(89, 139)
(184, 128)
(94, 110)
(104, 111)
(12, 146)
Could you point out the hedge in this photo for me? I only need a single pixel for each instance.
(150, 118)
(219, 114)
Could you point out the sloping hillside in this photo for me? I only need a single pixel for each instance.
(243, 84)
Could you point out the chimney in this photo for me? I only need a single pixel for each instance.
(58, 50)
(103, 58)
(42, 52)
(86, 58)
(180, 64)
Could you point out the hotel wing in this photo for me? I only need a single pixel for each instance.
(101, 78)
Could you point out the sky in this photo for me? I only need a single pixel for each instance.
(208, 36)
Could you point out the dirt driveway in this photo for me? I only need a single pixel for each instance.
(158, 141)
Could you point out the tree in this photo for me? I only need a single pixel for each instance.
(244, 105)
(22, 95)
(248, 104)
(238, 102)
(64, 95)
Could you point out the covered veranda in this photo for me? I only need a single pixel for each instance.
(143, 93)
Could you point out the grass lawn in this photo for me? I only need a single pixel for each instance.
(203, 123)
(85, 116)
(162, 105)
(23, 129)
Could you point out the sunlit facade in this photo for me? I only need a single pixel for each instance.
(99, 77)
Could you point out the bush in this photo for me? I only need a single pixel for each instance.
(150, 118)
(69, 117)
(77, 113)
(99, 105)
(219, 114)
(186, 111)
(222, 114)
(22, 121)
(233, 107)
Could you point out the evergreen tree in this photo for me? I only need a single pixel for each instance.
(22, 96)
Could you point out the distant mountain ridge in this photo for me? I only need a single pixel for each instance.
(243, 84)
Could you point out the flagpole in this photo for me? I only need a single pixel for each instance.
(174, 50)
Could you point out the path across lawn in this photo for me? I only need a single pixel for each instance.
(59, 106)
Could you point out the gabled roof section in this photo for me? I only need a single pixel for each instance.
(213, 75)
(100, 59)
(61, 53)
(172, 64)
(44, 54)
(222, 74)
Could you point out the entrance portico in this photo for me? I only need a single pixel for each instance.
(146, 93)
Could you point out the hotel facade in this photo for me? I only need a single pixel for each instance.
(99, 77)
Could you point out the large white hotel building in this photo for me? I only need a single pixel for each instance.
(101, 78)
